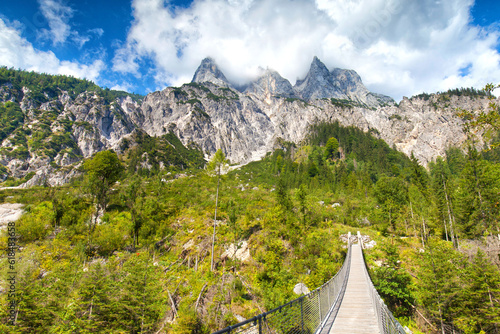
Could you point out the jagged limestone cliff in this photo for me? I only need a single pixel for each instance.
(55, 135)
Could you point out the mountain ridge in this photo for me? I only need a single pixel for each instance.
(318, 83)
(61, 128)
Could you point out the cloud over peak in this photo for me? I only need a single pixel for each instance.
(399, 47)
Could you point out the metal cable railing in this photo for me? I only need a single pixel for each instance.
(386, 321)
(309, 314)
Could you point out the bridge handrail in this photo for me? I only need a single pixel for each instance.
(386, 321)
(306, 314)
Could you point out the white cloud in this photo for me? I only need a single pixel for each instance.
(17, 52)
(98, 32)
(58, 16)
(399, 47)
(124, 86)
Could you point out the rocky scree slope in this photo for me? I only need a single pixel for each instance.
(246, 123)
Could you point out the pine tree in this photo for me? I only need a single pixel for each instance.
(331, 148)
(216, 166)
(443, 197)
(477, 307)
(439, 280)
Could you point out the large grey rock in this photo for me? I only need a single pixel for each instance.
(300, 289)
(10, 212)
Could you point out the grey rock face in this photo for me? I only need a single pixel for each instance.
(83, 126)
(270, 84)
(212, 117)
(318, 83)
(245, 125)
(209, 72)
(339, 84)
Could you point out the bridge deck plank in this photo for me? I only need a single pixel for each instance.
(356, 313)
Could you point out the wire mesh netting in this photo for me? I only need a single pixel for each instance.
(386, 321)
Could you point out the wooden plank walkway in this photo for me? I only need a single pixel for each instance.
(356, 313)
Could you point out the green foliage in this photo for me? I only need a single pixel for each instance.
(394, 284)
(37, 224)
(189, 323)
(331, 148)
(395, 116)
(456, 291)
(375, 153)
(113, 235)
(424, 96)
(197, 86)
(475, 310)
(102, 171)
(215, 98)
(293, 99)
(392, 194)
(343, 103)
(477, 196)
(11, 116)
(218, 164)
(156, 151)
(150, 252)
(46, 86)
(193, 101)
(469, 91)
(110, 95)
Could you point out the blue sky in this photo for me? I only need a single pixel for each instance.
(399, 47)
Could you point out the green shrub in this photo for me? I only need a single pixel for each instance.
(188, 322)
(36, 224)
(114, 235)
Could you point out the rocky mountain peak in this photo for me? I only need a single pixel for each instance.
(318, 83)
(270, 83)
(347, 80)
(208, 71)
(318, 66)
(338, 83)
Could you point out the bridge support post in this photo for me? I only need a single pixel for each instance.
(302, 314)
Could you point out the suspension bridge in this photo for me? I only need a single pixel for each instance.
(347, 303)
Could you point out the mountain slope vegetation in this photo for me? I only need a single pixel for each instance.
(143, 265)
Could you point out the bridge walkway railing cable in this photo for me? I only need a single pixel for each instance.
(316, 312)
(310, 313)
(386, 321)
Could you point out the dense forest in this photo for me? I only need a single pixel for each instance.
(43, 86)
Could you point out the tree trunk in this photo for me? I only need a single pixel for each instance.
(445, 229)
(448, 205)
(215, 221)
(424, 234)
